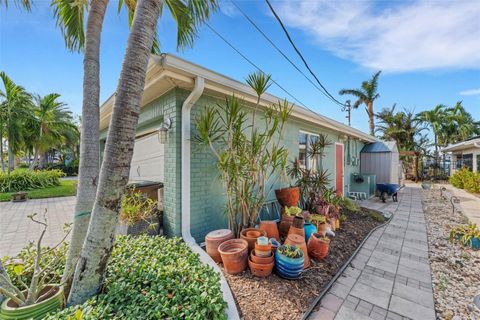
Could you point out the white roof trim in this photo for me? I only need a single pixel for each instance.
(474, 143)
(174, 67)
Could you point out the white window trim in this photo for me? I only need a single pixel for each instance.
(308, 161)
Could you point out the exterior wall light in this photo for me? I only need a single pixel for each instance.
(163, 130)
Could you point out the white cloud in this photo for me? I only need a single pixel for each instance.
(393, 36)
(471, 92)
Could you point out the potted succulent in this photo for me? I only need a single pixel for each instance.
(289, 261)
(289, 213)
(299, 241)
(471, 237)
(139, 214)
(42, 295)
(318, 246)
(320, 222)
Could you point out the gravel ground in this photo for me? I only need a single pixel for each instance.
(279, 299)
(455, 268)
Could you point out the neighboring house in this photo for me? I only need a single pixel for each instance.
(465, 154)
(176, 91)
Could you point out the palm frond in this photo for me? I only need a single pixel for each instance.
(69, 15)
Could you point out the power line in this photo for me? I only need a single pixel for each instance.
(279, 50)
(253, 64)
(300, 54)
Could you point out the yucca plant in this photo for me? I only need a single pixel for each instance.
(249, 156)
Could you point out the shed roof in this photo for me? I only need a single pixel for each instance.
(379, 147)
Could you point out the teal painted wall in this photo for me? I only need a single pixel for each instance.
(207, 194)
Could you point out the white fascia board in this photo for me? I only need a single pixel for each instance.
(226, 85)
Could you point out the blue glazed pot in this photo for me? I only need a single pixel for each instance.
(475, 244)
(309, 230)
(286, 267)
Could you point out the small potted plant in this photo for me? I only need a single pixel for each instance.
(289, 261)
(471, 237)
(318, 246)
(289, 214)
(42, 295)
(320, 222)
(139, 214)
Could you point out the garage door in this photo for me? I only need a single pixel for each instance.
(148, 159)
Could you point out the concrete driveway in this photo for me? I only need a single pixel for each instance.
(16, 230)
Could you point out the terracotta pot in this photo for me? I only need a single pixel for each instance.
(299, 231)
(317, 247)
(261, 260)
(270, 227)
(285, 224)
(234, 254)
(288, 197)
(298, 222)
(322, 228)
(250, 235)
(214, 239)
(299, 241)
(263, 251)
(261, 269)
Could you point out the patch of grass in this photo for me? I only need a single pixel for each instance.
(376, 216)
(65, 189)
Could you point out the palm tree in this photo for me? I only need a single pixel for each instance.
(436, 120)
(367, 94)
(52, 124)
(403, 127)
(464, 126)
(15, 109)
(90, 269)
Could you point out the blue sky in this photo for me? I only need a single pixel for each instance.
(429, 51)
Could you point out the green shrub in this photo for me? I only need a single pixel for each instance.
(466, 179)
(349, 204)
(24, 180)
(153, 278)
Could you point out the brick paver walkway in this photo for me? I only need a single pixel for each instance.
(390, 277)
(16, 230)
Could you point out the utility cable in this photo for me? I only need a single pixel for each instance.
(300, 54)
(279, 50)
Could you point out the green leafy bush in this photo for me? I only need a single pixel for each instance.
(466, 179)
(153, 278)
(349, 204)
(24, 180)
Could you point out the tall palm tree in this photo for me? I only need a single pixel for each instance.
(52, 123)
(90, 269)
(15, 109)
(367, 94)
(464, 125)
(436, 120)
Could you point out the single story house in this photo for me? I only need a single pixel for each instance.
(465, 154)
(175, 92)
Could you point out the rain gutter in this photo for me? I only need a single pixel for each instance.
(196, 93)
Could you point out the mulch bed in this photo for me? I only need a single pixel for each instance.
(277, 298)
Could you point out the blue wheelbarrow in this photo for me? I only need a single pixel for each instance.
(387, 189)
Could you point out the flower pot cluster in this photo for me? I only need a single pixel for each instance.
(468, 235)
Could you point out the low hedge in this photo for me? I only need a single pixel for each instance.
(153, 278)
(25, 179)
(466, 179)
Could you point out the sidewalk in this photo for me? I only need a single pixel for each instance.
(469, 203)
(390, 277)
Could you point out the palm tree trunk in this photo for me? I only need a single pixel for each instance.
(35, 156)
(90, 270)
(1, 152)
(11, 158)
(90, 137)
(371, 122)
(435, 170)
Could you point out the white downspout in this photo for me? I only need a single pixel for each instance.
(231, 311)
